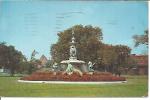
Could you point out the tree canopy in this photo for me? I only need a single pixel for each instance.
(141, 39)
(10, 58)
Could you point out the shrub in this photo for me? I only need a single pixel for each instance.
(49, 76)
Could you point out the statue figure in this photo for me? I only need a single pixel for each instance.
(70, 69)
(55, 66)
(72, 51)
(73, 40)
(90, 66)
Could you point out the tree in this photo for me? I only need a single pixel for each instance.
(49, 63)
(114, 56)
(10, 58)
(141, 39)
(108, 57)
(33, 63)
(24, 66)
(123, 53)
(3, 54)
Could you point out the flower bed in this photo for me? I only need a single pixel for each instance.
(49, 76)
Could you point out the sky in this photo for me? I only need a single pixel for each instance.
(30, 25)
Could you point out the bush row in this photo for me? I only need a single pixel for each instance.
(49, 76)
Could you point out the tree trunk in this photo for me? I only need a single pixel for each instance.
(12, 72)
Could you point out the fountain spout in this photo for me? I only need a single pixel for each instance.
(73, 50)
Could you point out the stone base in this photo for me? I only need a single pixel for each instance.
(73, 58)
(91, 73)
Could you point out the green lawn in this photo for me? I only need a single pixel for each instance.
(137, 86)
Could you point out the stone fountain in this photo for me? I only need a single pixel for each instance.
(78, 64)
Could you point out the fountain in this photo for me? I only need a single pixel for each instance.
(74, 71)
(78, 64)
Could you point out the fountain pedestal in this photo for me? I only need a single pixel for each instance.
(78, 64)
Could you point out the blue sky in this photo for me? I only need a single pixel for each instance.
(30, 25)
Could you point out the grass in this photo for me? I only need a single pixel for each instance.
(137, 86)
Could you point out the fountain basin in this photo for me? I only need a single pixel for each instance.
(78, 64)
(72, 61)
(67, 82)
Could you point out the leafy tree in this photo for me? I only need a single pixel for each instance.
(23, 69)
(3, 54)
(10, 58)
(108, 57)
(123, 55)
(33, 63)
(141, 39)
(113, 57)
(49, 64)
